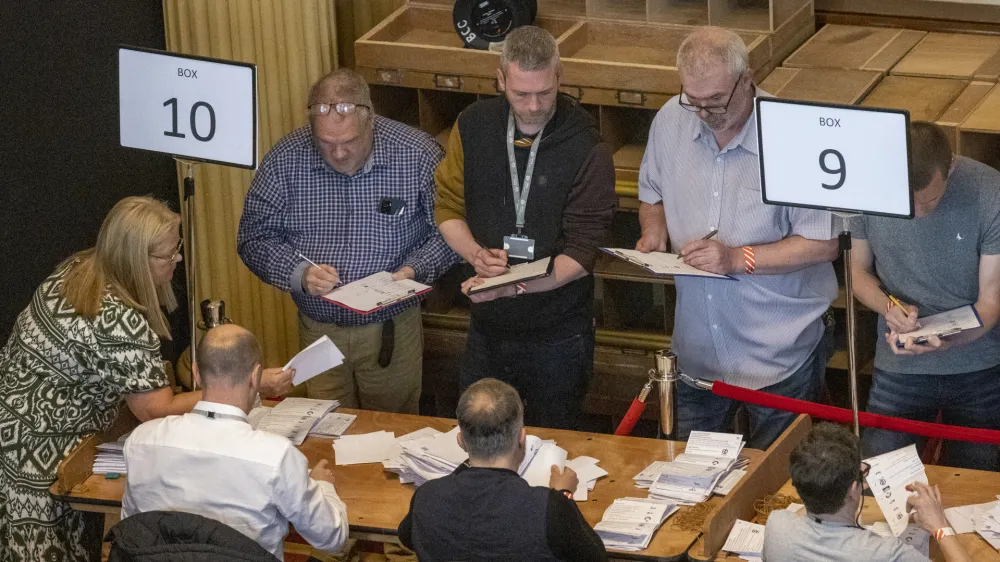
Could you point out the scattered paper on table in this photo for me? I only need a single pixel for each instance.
(364, 448)
(745, 539)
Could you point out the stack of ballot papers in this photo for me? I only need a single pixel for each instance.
(110, 459)
(363, 448)
(428, 454)
(710, 462)
(983, 519)
(629, 523)
(888, 478)
(292, 418)
(746, 540)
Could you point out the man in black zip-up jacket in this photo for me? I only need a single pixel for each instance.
(539, 335)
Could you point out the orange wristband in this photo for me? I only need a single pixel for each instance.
(750, 263)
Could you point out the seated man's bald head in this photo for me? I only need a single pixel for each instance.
(228, 355)
(490, 417)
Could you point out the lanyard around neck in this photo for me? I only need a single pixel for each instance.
(521, 193)
(217, 415)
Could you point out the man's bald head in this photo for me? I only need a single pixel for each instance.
(490, 417)
(227, 356)
(341, 85)
(707, 49)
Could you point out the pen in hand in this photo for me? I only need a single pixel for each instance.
(710, 235)
(312, 263)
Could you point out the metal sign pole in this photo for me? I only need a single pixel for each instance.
(189, 268)
(852, 366)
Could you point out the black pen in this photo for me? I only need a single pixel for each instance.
(710, 235)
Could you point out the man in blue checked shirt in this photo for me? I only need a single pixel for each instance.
(349, 195)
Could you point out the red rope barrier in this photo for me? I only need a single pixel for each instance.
(844, 415)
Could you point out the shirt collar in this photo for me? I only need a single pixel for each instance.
(218, 408)
(746, 138)
(380, 155)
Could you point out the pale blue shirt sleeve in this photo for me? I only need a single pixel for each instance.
(812, 224)
(650, 171)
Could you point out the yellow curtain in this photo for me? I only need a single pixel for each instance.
(293, 43)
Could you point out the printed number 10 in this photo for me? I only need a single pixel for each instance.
(841, 169)
(194, 124)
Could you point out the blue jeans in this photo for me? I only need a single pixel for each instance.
(550, 375)
(968, 400)
(700, 410)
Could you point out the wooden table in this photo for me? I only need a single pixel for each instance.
(377, 502)
(958, 487)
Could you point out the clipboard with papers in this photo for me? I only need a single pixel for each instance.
(944, 324)
(662, 263)
(375, 292)
(518, 274)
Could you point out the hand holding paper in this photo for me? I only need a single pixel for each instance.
(321, 355)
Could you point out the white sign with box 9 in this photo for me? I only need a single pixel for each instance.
(840, 158)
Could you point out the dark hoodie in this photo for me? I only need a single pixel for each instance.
(570, 208)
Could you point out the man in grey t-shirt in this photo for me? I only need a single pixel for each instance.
(945, 258)
(828, 475)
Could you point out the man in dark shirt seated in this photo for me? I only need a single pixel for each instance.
(484, 511)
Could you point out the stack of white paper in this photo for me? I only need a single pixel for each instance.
(645, 478)
(320, 356)
(333, 425)
(587, 472)
(693, 475)
(364, 448)
(629, 523)
(394, 462)
(888, 478)
(292, 418)
(746, 539)
(110, 459)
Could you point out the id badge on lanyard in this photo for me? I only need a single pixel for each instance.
(518, 245)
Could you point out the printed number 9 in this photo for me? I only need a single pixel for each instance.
(841, 169)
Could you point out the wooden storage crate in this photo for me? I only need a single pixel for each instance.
(979, 135)
(634, 58)
(823, 85)
(953, 55)
(925, 98)
(855, 48)
(962, 108)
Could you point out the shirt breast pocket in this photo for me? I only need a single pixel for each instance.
(753, 221)
(393, 225)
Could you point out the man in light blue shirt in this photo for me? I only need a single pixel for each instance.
(700, 174)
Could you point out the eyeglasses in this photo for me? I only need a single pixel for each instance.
(342, 108)
(865, 468)
(715, 109)
(177, 251)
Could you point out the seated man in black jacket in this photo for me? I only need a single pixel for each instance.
(484, 511)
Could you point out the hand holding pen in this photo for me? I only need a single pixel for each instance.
(899, 317)
(318, 279)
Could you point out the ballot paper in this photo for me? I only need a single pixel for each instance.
(662, 263)
(364, 448)
(888, 478)
(944, 324)
(395, 463)
(375, 292)
(629, 523)
(292, 418)
(321, 355)
(518, 274)
(110, 457)
(333, 424)
(745, 539)
(963, 519)
(912, 535)
(645, 478)
(988, 526)
(587, 473)
(727, 484)
(539, 471)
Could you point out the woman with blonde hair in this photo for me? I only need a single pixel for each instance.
(89, 339)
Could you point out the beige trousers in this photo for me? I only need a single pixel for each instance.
(360, 382)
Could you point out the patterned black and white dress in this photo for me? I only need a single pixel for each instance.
(62, 376)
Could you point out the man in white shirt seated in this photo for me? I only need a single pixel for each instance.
(828, 475)
(212, 463)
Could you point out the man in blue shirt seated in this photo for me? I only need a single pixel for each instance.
(485, 510)
(828, 475)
